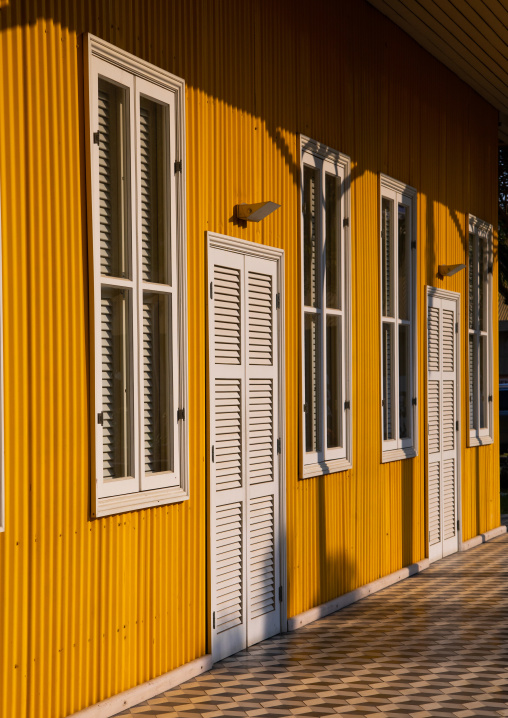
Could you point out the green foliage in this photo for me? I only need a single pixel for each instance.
(503, 221)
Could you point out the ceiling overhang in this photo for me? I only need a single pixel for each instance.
(469, 37)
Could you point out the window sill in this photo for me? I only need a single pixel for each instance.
(142, 500)
(398, 455)
(325, 467)
(479, 441)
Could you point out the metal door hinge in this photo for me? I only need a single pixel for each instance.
(280, 594)
(347, 405)
(277, 300)
(414, 401)
(490, 397)
(100, 418)
(180, 414)
(458, 525)
(457, 425)
(278, 446)
(213, 453)
(490, 268)
(178, 166)
(456, 327)
(345, 222)
(213, 619)
(305, 408)
(413, 244)
(211, 290)
(96, 138)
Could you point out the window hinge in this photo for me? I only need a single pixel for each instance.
(211, 290)
(305, 408)
(280, 594)
(180, 414)
(458, 525)
(382, 402)
(213, 453)
(414, 401)
(277, 300)
(347, 405)
(490, 397)
(413, 244)
(178, 166)
(490, 268)
(278, 446)
(213, 619)
(457, 425)
(345, 222)
(100, 418)
(96, 138)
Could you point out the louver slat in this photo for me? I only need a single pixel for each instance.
(433, 339)
(227, 311)
(260, 431)
(260, 318)
(448, 418)
(261, 556)
(471, 382)
(433, 400)
(108, 438)
(449, 521)
(228, 433)
(146, 169)
(105, 183)
(148, 387)
(229, 566)
(448, 340)
(434, 504)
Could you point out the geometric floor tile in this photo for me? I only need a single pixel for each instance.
(433, 645)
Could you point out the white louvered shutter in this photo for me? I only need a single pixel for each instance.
(244, 476)
(442, 433)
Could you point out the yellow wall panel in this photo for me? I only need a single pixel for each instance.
(91, 608)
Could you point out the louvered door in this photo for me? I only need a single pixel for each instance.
(442, 426)
(244, 481)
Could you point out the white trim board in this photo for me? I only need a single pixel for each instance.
(111, 706)
(482, 538)
(325, 609)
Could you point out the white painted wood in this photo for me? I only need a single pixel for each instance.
(443, 435)
(138, 78)
(244, 367)
(127, 699)
(325, 609)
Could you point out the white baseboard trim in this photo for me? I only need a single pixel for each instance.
(313, 614)
(482, 538)
(116, 704)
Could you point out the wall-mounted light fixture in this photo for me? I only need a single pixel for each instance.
(448, 270)
(255, 212)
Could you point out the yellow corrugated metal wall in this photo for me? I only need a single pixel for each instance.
(91, 608)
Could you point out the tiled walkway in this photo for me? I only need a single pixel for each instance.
(433, 645)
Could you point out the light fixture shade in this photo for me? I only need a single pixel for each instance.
(255, 212)
(448, 270)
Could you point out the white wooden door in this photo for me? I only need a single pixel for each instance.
(244, 466)
(443, 428)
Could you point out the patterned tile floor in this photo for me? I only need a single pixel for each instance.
(435, 644)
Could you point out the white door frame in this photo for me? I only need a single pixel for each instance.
(244, 247)
(451, 297)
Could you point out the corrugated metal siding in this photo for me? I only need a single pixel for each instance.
(91, 608)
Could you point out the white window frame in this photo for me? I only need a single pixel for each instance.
(326, 461)
(119, 67)
(482, 231)
(400, 193)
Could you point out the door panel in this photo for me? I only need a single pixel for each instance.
(244, 475)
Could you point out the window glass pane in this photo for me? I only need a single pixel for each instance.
(482, 269)
(154, 244)
(471, 381)
(333, 381)
(157, 382)
(116, 383)
(310, 237)
(333, 242)
(387, 245)
(388, 388)
(471, 281)
(404, 256)
(404, 383)
(484, 385)
(113, 179)
(312, 363)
